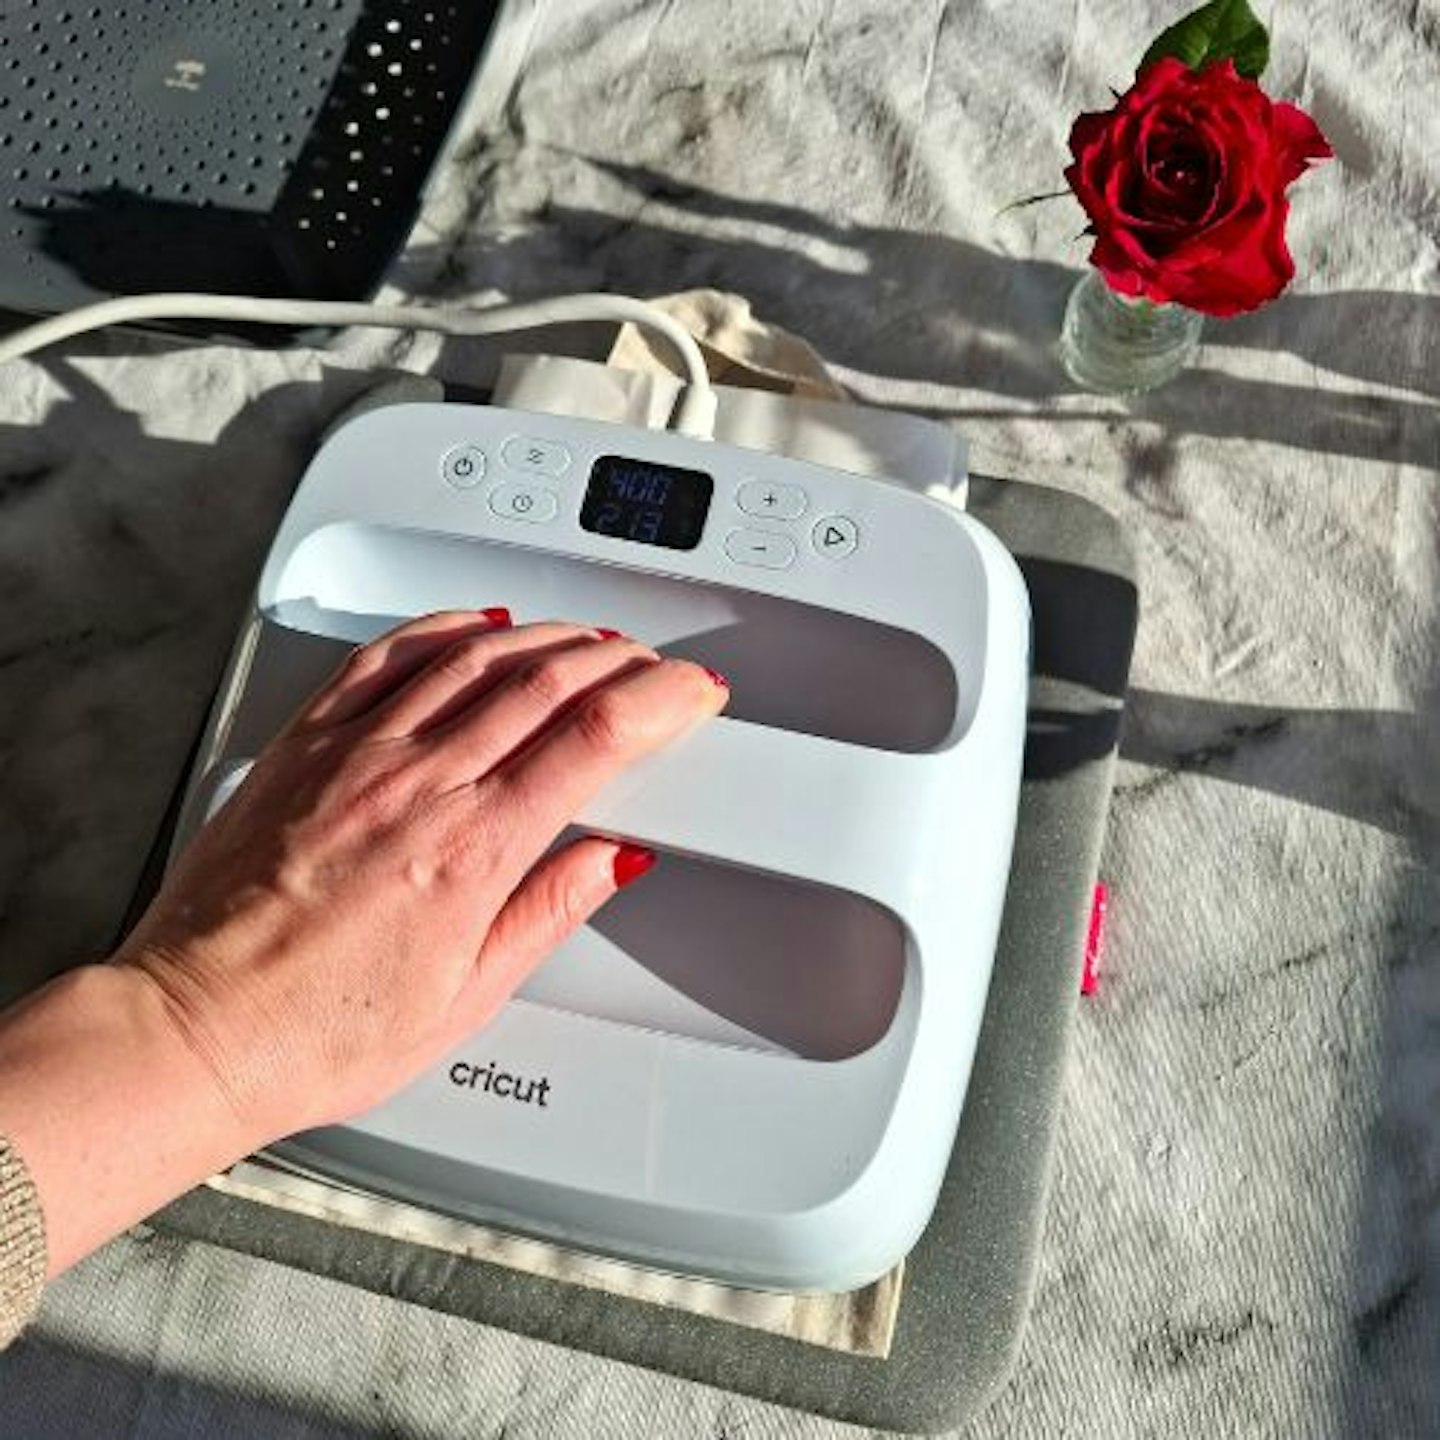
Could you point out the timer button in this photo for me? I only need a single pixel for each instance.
(464, 466)
(764, 548)
(835, 537)
(535, 457)
(524, 502)
(774, 502)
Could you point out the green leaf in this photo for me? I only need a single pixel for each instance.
(1221, 30)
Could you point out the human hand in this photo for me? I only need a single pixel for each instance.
(375, 889)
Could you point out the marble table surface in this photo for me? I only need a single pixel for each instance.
(1244, 1234)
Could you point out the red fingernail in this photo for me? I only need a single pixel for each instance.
(609, 634)
(631, 862)
(718, 678)
(499, 616)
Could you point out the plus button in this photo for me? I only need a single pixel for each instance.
(771, 499)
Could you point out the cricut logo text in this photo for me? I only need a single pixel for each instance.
(500, 1082)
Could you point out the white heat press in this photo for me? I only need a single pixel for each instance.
(750, 1067)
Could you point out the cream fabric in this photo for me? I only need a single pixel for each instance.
(862, 1322)
(739, 350)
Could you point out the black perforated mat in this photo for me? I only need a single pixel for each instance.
(275, 147)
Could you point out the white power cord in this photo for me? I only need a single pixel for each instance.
(694, 413)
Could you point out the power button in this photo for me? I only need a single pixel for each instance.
(464, 466)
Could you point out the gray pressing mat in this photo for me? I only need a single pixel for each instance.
(968, 1282)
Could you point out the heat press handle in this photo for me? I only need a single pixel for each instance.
(817, 811)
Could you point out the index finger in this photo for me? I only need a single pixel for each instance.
(381, 666)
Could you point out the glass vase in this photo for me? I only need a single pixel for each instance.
(1120, 345)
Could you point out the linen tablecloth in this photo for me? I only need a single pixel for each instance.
(1244, 1236)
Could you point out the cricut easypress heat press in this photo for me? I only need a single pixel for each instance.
(751, 1066)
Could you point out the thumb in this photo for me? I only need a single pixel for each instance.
(553, 901)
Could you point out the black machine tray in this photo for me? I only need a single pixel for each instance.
(267, 147)
(968, 1282)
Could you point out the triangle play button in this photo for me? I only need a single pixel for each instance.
(835, 536)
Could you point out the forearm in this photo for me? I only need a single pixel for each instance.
(112, 1113)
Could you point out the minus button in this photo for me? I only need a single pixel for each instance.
(765, 548)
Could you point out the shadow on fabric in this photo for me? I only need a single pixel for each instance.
(904, 305)
(103, 583)
(1382, 769)
(919, 306)
(53, 1392)
(1343, 761)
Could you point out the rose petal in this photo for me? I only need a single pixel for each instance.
(1165, 75)
(1119, 275)
(1088, 131)
(1298, 141)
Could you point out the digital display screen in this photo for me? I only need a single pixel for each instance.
(648, 503)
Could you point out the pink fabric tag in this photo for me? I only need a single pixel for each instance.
(1094, 940)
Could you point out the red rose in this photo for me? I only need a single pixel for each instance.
(1184, 182)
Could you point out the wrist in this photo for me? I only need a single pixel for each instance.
(176, 1057)
(225, 1038)
(112, 1112)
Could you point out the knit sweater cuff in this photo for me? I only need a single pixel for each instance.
(22, 1245)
